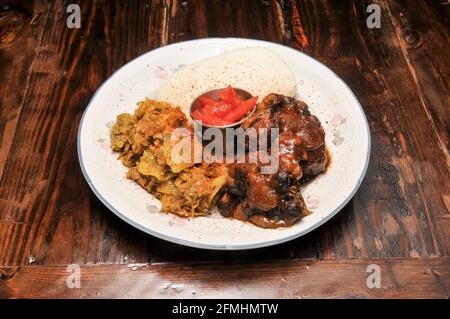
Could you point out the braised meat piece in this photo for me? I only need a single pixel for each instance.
(302, 138)
(259, 189)
(273, 200)
(227, 203)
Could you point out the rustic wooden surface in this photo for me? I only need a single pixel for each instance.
(399, 218)
(402, 278)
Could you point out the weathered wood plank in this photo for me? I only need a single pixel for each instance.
(245, 19)
(424, 40)
(399, 209)
(42, 185)
(61, 220)
(399, 278)
(21, 28)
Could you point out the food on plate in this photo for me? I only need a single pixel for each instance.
(222, 107)
(241, 189)
(275, 200)
(145, 141)
(257, 70)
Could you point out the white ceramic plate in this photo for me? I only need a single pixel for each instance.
(329, 98)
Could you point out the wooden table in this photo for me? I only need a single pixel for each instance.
(399, 219)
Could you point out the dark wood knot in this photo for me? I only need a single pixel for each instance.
(8, 273)
(11, 22)
(411, 38)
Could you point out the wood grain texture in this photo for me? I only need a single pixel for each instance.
(398, 72)
(21, 26)
(424, 39)
(399, 209)
(405, 278)
(59, 216)
(61, 221)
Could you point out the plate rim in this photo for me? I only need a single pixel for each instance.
(223, 246)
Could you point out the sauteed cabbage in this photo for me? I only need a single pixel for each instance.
(144, 140)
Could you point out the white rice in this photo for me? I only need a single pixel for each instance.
(257, 70)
